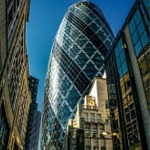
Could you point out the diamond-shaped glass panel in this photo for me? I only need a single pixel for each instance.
(73, 97)
(90, 70)
(81, 59)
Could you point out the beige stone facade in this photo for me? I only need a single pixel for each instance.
(15, 96)
(90, 130)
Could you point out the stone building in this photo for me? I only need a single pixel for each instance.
(15, 95)
(90, 130)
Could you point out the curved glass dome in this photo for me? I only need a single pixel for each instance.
(77, 55)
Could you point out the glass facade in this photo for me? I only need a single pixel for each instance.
(139, 27)
(138, 32)
(128, 77)
(130, 114)
(77, 56)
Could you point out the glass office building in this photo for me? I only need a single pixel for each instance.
(128, 79)
(77, 56)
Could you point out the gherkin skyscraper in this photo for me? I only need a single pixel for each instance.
(77, 55)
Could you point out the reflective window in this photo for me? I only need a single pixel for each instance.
(120, 72)
(90, 70)
(132, 26)
(65, 113)
(120, 46)
(144, 65)
(138, 47)
(138, 31)
(116, 52)
(81, 59)
(144, 39)
(122, 56)
(97, 60)
(118, 62)
(137, 17)
(124, 68)
(140, 28)
(145, 16)
(135, 36)
(94, 26)
(73, 97)
(147, 4)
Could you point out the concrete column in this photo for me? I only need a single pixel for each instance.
(91, 139)
(99, 143)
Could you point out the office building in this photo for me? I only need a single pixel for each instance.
(33, 86)
(128, 79)
(15, 95)
(90, 130)
(77, 55)
(34, 138)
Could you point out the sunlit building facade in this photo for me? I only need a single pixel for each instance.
(128, 79)
(77, 55)
(90, 129)
(15, 96)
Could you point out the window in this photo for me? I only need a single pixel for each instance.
(144, 39)
(131, 106)
(87, 126)
(92, 116)
(147, 4)
(137, 17)
(99, 117)
(95, 148)
(138, 32)
(140, 28)
(132, 26)
(87, 134)
(88, 147)
(127, 117)
(138, 47)
(130, 95)
(127, 84)
(86, 116)
(107, 104)
(133, 114)
(115, 124)
(94, 126)
(95, 135)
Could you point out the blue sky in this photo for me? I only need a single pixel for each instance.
(44, 19)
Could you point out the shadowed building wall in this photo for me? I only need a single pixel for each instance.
(15, 96)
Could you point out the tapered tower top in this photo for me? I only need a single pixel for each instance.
(81, 43)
